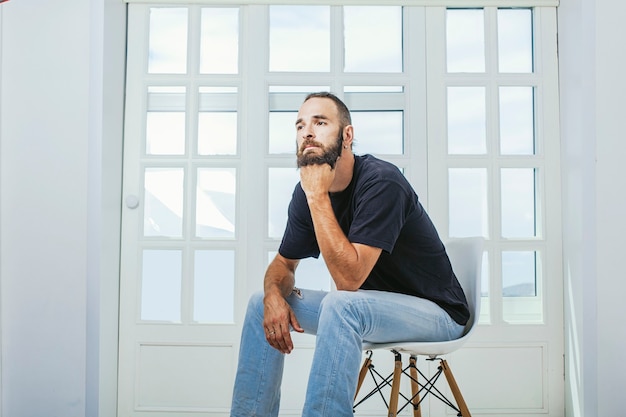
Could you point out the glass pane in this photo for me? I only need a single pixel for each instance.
(515, 40)
(161, 285)
(311, 274)
(465, 40)
(165, 121)
(467, 120)
(517, 123)
(215, 202)
(373, 38)
(378, 132)
(519, 274)
(214, 286)
(217, 133)
(521, 287)
(518, 202)
(165, 133)
(281, 182)
(168, 41)
(219, 41)
(299, 38)
(467, 197)
(282, 132)
(163, 202)
(217, 121)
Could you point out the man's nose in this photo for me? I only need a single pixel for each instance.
(307, 132)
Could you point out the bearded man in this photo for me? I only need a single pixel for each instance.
(393, 277)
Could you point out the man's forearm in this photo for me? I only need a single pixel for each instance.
(279, 278)
(340, 255)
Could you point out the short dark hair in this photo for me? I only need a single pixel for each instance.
(342, 109)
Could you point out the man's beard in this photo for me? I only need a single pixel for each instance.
(330, 155)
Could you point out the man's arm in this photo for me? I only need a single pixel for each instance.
(348, 263)
(280, 276)
(278, 315)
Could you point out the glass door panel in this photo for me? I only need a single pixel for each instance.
(517, 120)
(219, 41)
(467, 120)
(167, 50)
(465, 40)
(515, 40)
(468, 202)
(161, 283)
(281, 182)
(519, 208)
(163, 202)
(299, 38)
(214, 286)
(373, 38)
(216, 202)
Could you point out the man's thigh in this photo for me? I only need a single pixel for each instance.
(391, 317)
(306, 306)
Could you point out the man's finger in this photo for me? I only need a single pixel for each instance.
(295, 324)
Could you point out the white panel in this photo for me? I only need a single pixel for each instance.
(183, 377)
(501, 379)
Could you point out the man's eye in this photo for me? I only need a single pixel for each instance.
(321, 122)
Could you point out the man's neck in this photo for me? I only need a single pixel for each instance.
(345, 170)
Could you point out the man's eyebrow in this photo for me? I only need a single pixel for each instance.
(316, 117)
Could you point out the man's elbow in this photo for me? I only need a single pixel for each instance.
(347, 288)
(349, 283)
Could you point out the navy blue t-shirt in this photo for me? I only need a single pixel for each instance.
(380, 208)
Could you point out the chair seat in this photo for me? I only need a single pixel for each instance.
(430, 349)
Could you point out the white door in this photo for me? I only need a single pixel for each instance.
(494, 171)
(212, 94)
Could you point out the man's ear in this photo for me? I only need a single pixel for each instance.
(348, 136)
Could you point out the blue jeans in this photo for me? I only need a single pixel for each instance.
(342, 320)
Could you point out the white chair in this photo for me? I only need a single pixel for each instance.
(466, 258)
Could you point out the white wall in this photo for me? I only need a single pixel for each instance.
(611, 204)
(61, 114)
(593, 87)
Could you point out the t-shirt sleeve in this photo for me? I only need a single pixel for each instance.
(381, 210)
(299, 240)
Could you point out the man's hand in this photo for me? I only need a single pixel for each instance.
(277, 319)
(316, 180)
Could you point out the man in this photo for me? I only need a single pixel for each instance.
(393, 277)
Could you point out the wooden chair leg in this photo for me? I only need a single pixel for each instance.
(366, 364)
(455, 389)
(395, 387)
(417, 410)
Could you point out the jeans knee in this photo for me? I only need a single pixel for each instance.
(336, 302)
(344, 310)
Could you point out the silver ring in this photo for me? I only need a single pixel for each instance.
(272, 332)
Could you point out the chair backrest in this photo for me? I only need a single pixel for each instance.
(466, 255)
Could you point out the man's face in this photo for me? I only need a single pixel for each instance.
(319, 134)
